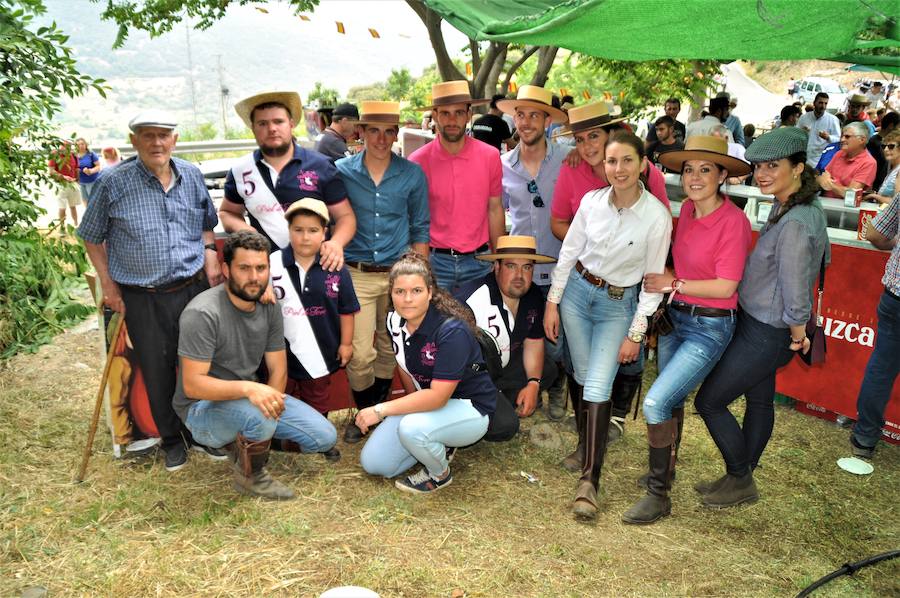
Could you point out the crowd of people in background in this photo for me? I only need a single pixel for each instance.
(353, 256)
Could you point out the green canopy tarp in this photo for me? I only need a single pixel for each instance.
(662, 29)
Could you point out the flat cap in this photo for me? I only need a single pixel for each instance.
(776, 144)
(308, 204)
(152, 118)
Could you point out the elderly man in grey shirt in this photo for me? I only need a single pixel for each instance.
(342, 129)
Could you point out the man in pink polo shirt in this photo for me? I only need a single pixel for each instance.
(853, 167)
(464, 189)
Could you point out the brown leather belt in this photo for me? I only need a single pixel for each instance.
(364, 267)
(170, 287)
(706, 312)
(612, 290)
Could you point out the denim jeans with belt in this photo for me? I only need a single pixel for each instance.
(451, 271)
(747, 368)
(401, 440)
(881, 373)
(596, 325)
(686, 356)
(217, 423)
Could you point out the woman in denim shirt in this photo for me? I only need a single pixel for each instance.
(775, 296)
(710, 249)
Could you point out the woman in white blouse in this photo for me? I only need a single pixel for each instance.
(619, 233)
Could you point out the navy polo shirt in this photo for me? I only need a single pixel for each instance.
(443, 348)
(308, 174)
(312, 307)
(483, 297)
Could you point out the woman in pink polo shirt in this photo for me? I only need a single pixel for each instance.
(712, 241)
(591, 125)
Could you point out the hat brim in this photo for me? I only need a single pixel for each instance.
(291, 99)
(568, 130)
(369, 121)
(674, 161)
(509, 107)
(535, 257)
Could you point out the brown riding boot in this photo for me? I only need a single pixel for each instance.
(596, 430)
(678, 416)
(576, 458)
(248, 459)
(656, 503)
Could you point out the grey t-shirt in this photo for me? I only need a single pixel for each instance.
(332, 145)
(233, 341)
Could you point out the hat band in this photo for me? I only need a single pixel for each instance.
(390, 119)
(459, 98)
(589, 123)
(516, 250)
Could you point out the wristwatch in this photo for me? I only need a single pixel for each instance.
(530, 380)
(210, 246)
(636, 337)
(379, 411)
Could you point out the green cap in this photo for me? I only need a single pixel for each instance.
(776, 144)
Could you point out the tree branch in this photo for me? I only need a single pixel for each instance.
(496, 53)
(432, 21)
(526, 54)
(546, 56)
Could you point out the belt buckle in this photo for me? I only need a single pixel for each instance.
(614, 292)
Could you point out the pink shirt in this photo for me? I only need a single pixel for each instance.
(715, 246)
(574, 183)
(845, 171)
(458, 190)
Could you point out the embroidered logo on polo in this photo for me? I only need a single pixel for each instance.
(332, 285)
(316, 310)
(531, 316)
(429, 352)
(309, 180)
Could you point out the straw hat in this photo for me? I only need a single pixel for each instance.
(290, 99)
(373, 112)
(587, 117)
(309, 204)
(533, 96)
(512, 247)
(705, 147)
(858, 98)
(452, 92)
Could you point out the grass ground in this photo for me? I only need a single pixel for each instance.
(131, 529)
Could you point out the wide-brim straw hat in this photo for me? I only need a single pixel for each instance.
(374, 112)
(512, 247)
(859, 98)
(452, 92)
(535, 97)
(591, 116)
(705, 147)
(290, 99)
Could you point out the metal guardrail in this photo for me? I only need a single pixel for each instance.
(204, 147)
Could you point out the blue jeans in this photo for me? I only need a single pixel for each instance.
(451, 271)
(595, 328)
(686, 356)
(401, 440)
(747, 367)
(881, 373)
(86, 191)
(217, 423)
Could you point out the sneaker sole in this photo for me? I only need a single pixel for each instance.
(171, 468)
(746, 501)
(410, 490)
(200, 450)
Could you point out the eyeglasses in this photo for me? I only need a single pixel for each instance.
(536, 201)
(890, 146)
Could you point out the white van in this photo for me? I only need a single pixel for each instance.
(807, 89)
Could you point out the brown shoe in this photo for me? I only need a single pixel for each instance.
(249, 458)
(656, 503)
(595, 436)
(733, 491)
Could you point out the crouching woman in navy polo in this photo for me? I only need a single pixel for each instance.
(449, 400)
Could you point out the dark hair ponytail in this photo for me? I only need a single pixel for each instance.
(809, 186)
(413, 264)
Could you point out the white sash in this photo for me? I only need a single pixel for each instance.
(297, 328)
(397, 334)
(489, 319)
(259, 200)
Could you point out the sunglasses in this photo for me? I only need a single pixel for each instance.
(536, 201)
(890, 146)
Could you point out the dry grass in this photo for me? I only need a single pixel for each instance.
(131, 529)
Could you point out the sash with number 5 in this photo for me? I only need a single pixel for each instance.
(396, 332)
(259, 200)
(490, 318)
(297, 329)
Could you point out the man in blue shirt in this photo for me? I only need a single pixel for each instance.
(529, 179)
(389, 196)
(148, 230)
(265, 182)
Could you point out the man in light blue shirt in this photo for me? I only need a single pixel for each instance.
(823, 128)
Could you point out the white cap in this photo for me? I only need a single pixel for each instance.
(152, 118)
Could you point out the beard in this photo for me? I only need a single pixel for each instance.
(238, 291)
(455, 137)
(532, 141)
(275, 151)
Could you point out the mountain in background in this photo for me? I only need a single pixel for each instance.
(257, 52)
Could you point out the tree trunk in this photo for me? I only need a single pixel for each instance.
(546, 56)
(526, 54)
(432, 21)
(493, 61)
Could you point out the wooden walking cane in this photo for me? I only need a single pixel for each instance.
(117, 320)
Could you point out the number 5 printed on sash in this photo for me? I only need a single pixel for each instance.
(249, 185)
